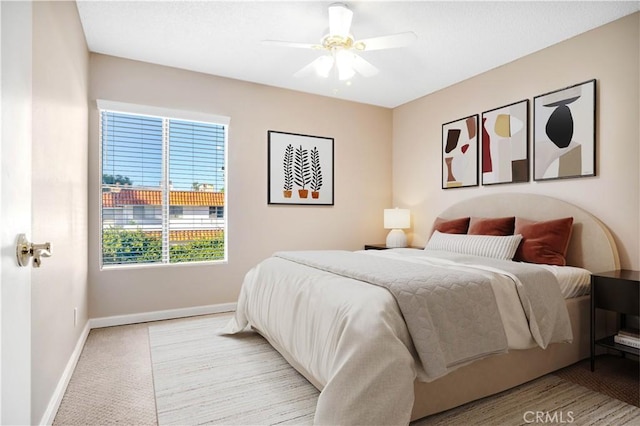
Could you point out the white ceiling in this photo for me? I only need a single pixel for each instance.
(456, 40)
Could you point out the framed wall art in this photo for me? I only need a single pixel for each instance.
(564, 132)
(300, 169)
(460, 153)
(505, 144)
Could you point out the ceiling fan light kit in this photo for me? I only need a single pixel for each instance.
(344, 64)
(342, 47)
(323, 66)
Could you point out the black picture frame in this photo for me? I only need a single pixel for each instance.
(564, 133)
(460, 153)
(300, 169)
(505, 144)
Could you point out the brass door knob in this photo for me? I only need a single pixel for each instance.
(25, 250)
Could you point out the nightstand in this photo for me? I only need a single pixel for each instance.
(384, 247)
(375, 247)
(617, 291)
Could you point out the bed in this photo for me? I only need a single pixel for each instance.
(359, 345)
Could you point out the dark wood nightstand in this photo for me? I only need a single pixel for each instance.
(384, 247)
(375, 247)
(617, 291)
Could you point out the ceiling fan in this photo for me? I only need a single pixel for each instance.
(342, 48)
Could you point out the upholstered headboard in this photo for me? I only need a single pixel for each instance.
(591, 246)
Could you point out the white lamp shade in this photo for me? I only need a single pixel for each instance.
(397, 218)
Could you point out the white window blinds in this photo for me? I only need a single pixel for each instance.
(161, 178)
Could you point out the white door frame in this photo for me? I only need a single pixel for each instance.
(16, 21)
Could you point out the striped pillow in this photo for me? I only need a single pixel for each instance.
(497, 247)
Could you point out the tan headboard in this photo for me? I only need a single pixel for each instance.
(591, 247)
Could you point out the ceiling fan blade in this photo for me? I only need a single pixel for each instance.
(340, 17)
(386, 42)
(291, 44)
(364, 67)
(321, 66)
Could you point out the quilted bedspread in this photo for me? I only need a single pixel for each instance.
(363, 345)
(451, 313)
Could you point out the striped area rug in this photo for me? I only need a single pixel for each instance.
(202, 378)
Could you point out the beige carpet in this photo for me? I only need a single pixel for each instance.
(203, 378)
(113, 383)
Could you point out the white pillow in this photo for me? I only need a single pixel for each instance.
(497, 247)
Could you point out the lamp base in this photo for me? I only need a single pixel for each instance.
(396, 239)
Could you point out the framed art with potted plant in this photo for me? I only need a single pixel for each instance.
(300, 169)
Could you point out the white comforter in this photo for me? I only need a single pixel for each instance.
(349, 337)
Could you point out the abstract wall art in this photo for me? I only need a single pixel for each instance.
(460, 153)
(300, 169)
(564, 132)
(505, 144)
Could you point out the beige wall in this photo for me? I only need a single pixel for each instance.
(59, 178)
(609, 54)
(362, 181)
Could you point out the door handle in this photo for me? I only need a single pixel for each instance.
(25, 249)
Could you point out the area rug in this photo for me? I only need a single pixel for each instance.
(203, 378)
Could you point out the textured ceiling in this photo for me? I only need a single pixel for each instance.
(456, 40)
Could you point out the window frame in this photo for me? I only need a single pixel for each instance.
(218, 212)
(136, 214)
(169, 114)
(176, 212)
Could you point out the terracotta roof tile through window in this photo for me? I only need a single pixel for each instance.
(147, 197)
(189, 235)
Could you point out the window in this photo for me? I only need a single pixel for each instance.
(108, 215)
(138, 213)
(161, 170)
(176, 211)
(216, 212)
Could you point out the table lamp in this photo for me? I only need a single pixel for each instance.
(396, 220)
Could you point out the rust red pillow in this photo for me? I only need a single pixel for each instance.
(451, 226)
(499, 226)
(543, 242)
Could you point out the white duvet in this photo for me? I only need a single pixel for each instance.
(349, 338)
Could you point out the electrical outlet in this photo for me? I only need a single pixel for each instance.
(75, 317)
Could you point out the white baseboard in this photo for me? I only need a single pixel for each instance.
(58, 394)
(161, 315)
(52, 409)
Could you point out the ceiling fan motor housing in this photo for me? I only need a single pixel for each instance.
(330, 42)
